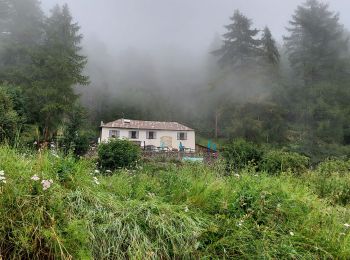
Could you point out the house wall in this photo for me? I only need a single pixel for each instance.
(124, 133)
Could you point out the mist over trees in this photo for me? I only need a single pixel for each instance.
(292, 94)
(40, 57)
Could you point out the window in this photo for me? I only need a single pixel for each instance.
(133, 134)
(151, 135)
(114, 133)
(181, 136)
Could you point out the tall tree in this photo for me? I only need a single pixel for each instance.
(270, 51)
(240, 47)
(21, 30)
(316, 43)
(57, 66)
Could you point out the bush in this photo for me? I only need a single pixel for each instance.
(241, 153)
(277, 161)
(118, 154)
(331, 181)
(334, 166)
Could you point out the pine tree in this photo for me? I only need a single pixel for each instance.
(57, 67)
(316, 43)
(270, 51)
(240, 48)
(21, 30)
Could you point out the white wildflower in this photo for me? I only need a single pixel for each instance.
(108, 171)
(46, 184)
(2, 177)
(240, 223)
(35, 178)
(236, 175)
(346, 225)
(186, 209)
(151, 195)
(291, 233)
(96, 180)
(97, 171)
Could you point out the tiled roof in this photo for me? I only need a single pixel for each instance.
(147, 125)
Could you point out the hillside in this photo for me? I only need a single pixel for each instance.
(60, 207)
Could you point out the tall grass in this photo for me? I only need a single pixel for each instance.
(163, 211)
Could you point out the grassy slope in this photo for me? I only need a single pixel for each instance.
(165, 211)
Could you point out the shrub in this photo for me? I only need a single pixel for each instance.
(241, 153)
(277, 161)
(331, 181)
(118, 154)
(334, 166)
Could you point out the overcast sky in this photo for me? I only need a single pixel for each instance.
(187, 24)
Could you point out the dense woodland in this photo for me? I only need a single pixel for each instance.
(293, 94)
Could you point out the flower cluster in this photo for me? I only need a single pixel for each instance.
(2, 177)
(45, 183)
(35, 178)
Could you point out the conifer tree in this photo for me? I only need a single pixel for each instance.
(316, 43)
(58, 67)
(240, 48)
(270, 51)
(21, 30)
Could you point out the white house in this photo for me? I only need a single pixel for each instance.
(150, 133)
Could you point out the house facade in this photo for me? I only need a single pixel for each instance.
(171, 135)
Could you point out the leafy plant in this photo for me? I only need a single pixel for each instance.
(118, 154)
(240, 153)
(277, 161)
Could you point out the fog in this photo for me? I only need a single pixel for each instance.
(188, 25)
(151, 58)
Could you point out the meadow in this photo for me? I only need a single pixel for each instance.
(60, 207)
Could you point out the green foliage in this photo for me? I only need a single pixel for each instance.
(269, 49)
(167, 212)
(240, 153)
(76, 134)
(240, 47)
(331, 181)
(278, 161)
(259, 123)
(10, 121)
(118, 154)
(316, 43)
(41, 55)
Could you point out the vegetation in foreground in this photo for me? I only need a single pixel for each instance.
(61, 207)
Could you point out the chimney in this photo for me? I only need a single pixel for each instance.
(102, 123)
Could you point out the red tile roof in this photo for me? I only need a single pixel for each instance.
(147, 125)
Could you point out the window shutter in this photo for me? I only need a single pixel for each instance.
(178, 135)
(110, 133)
(130, 133)
(137, 134)
(154, 135)
(185, 135)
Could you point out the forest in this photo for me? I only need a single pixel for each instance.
(292, 94)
